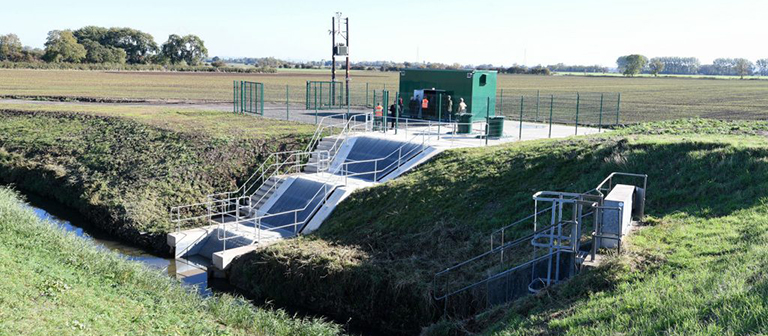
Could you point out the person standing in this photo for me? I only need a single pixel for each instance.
(424, 106)
(462, 106)
(378, 115)
(449, 108)
(392, 115)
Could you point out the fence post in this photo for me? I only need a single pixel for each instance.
(487, 116)
(501, 102)
(538, 96)
(287, 103)
(316, 104)
(242, 96)
(306, 100)
(439, 113)
(520, 136)
(385, 99)
(366, 94)
(397, 111)
(262, 100)
(600, 122)
(577, 114)
(618, 107)
(234, 96)
(551, 107)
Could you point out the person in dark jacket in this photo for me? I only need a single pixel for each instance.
(392, 115)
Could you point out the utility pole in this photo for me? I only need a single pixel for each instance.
(346, 37)
(339, 49)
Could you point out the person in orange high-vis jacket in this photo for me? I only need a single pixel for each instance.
(378, 117)
(424, 103)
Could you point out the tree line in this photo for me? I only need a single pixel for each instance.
(97, 45)
(631, 65)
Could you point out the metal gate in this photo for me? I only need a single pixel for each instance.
(325, 95)
(248, 97)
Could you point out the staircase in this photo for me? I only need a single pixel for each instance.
(293, 191)
(318, 160)
(265, 192)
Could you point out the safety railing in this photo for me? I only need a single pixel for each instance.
(490, 264)
(276, 164)
(542, 245)
(338, 176)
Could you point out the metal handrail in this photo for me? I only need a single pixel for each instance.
(331, 178)
(596, 203)
(419, 147)
(498, 249)
(215, 199)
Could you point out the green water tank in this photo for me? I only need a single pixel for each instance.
(495, 126)
(465, 123)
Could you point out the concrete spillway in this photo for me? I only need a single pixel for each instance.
(296, 203)
(377, 155)
(301, 202)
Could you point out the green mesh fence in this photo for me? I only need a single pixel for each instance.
(588, 109)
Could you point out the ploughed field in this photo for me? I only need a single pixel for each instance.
(643, 98)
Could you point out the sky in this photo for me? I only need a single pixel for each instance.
(532, 32)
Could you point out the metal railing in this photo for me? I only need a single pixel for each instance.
(337, 177)
(494, 270)
(223, 204)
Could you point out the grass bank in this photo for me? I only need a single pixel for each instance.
(57, 283)
(374, 258)
(124, 167)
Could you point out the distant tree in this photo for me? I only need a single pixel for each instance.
(631, 65)
(10, 48)
(762, 65)
(98, 53)
(744, 67)
(656, 66)
(139, 46)
(189, 49)
(61, 46)
(218, 63)
(678, 65)
(30, 54)
(560, 67)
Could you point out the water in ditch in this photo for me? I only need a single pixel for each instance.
(65, 218)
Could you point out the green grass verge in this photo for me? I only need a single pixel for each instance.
(123, 168)
(57, 283)
(374, 259)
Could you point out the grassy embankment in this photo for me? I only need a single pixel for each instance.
(123, 167)
(697, 269)
(57, 283)
(643, 99)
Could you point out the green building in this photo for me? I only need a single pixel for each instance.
(476, 87)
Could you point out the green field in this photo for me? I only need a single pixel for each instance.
(643, 98)
(57, 283)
